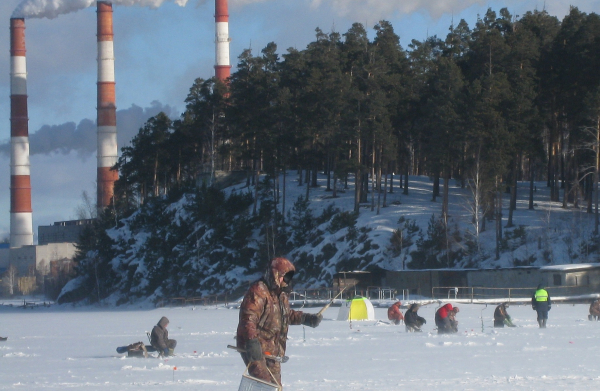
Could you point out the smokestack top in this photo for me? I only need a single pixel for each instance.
(17, 37)
(221, 11)
(105, 21)
(104, 5)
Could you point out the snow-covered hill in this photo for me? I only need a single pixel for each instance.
(210, 243)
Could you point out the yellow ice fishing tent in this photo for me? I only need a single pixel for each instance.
(359, 308)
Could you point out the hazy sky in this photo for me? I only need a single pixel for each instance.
(161, 46)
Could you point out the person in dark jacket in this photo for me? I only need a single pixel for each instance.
(541, 303)
(412, 320)
(594, 310)
(445, 319)
(453, 321)
(159, 339)
(394, 313)
(501, 316)
(265, 316)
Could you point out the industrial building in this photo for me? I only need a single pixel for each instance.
(560, 280)
(62, 231)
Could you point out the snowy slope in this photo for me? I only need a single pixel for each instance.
(547, 235)
(56, 348)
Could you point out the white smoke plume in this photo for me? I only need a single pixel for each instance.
(82, 139)
(387, 8)
(52, 8)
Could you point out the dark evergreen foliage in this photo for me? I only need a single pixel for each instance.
(513, 98)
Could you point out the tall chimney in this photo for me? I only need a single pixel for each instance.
(107, 110)
(21, 225)
(223, 66)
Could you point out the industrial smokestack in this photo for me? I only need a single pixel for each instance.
(223, 66)
(107, 109)
(21, 225)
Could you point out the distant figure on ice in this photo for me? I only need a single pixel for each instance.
(159, 339)
(501, 317)
(541, 303)
(445, 319)
(594, 310)
(453, 321)
(394, 313)
(412, 320)
(265, 315)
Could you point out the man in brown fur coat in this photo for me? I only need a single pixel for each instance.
(265, 315)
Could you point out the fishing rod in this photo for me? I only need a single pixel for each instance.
(332, 300)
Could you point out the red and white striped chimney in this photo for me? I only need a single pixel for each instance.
(223, 66)
(107, 110)
(21, 225)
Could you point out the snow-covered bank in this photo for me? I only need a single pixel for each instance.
(169, 250)
(55, 348)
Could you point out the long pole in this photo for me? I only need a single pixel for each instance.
(331, 302)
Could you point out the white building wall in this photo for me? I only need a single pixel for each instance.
(40, 256)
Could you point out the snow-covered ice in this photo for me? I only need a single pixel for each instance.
(58, 348)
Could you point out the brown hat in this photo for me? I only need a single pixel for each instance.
(163, 321)
(279, 267)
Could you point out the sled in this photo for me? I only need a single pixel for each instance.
(134, 350)
(3, 338)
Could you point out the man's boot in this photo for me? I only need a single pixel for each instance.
(543, 323)
(540, 323)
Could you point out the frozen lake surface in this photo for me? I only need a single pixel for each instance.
(58, 348)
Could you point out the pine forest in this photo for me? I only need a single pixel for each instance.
(507, 100)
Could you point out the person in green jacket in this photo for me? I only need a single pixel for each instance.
(541, 303)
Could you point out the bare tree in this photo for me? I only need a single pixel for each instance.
(594, 145)
(87, 209)
(10, 279)
(476, 208)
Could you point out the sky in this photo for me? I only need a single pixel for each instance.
(161, 47)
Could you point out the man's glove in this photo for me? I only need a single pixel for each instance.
(311, 320)
(424, 321)
(254, 350)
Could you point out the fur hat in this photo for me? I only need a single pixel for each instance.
(163, 321)
(277, 268)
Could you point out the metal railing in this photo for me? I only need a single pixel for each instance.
(321, 294)
(301, 295)
(509, 294)
(378, 293)
(202, 300)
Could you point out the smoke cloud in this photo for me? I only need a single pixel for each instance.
(52, 8)
(387, 8)
(82, 138)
